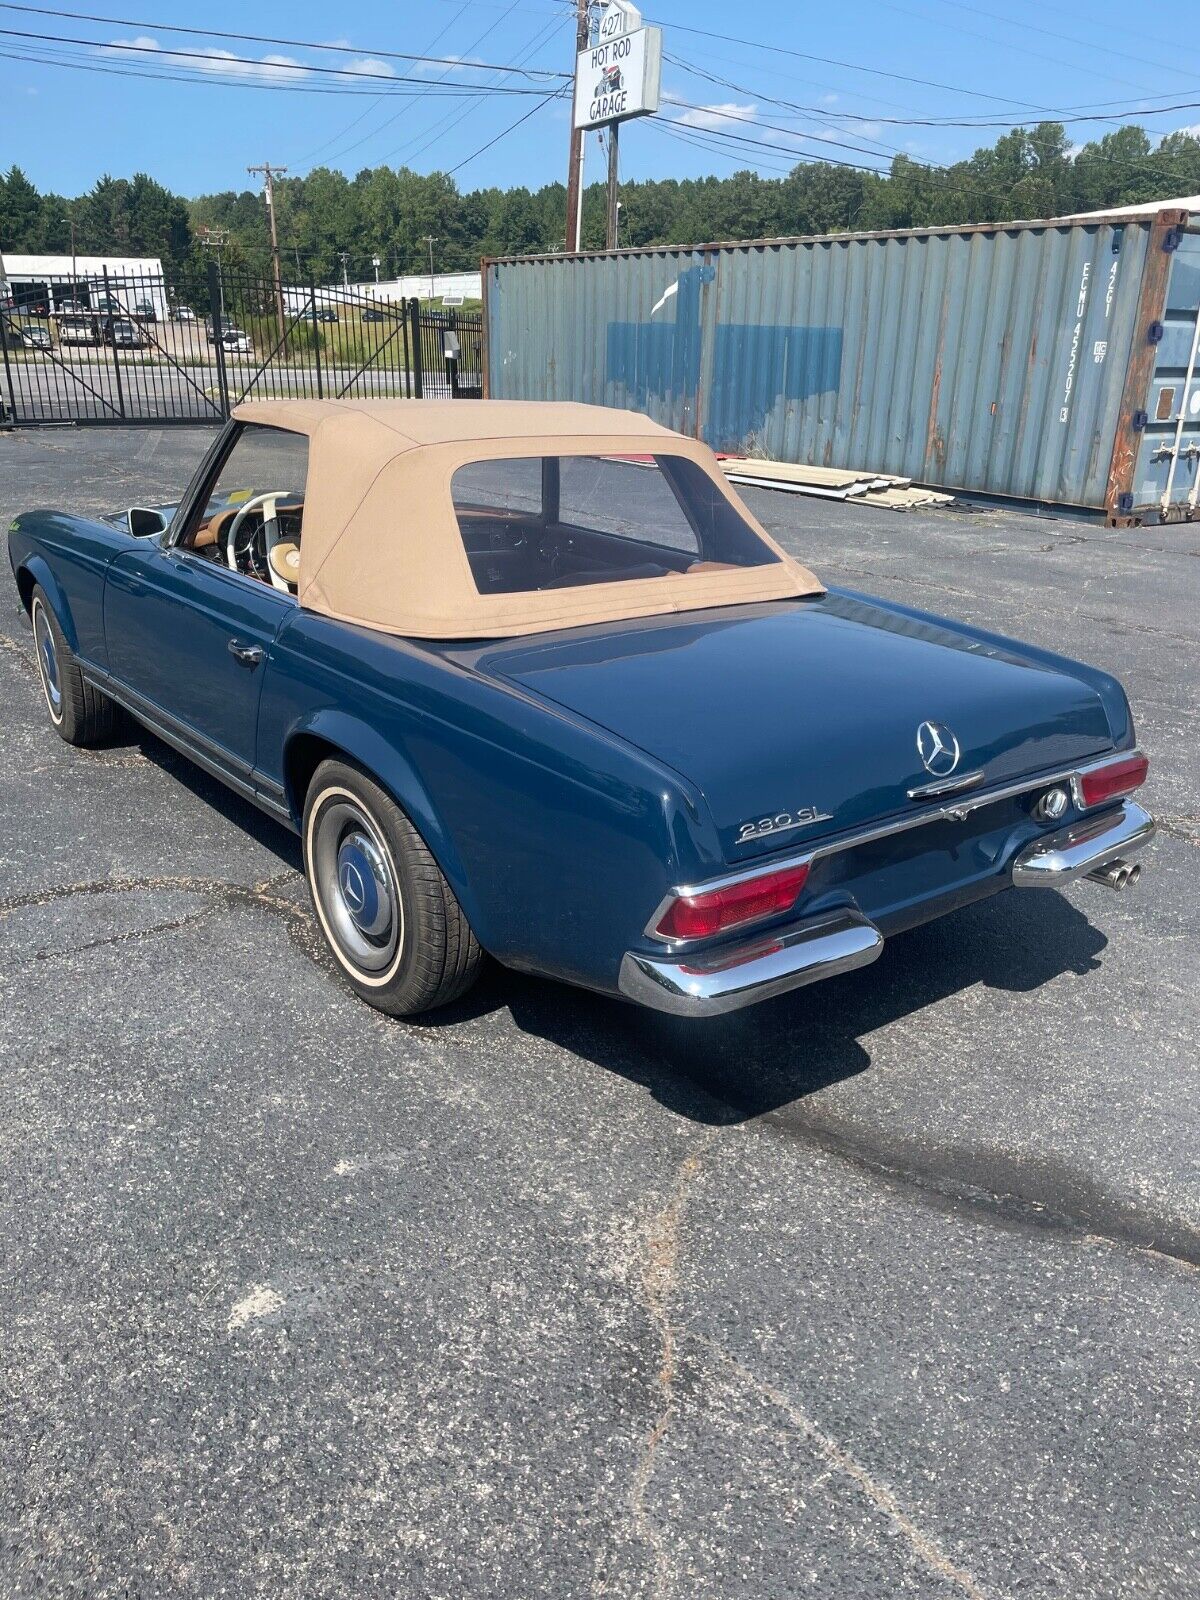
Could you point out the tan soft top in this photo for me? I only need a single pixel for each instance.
(382, 546)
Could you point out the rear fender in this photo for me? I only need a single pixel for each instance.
(391, 768)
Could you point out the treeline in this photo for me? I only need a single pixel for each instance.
(390, 214)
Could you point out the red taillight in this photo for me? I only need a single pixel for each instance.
(699, 916)
(1112, 779)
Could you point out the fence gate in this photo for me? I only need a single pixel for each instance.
(123, 349)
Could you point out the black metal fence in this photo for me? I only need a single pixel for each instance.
(113, 349)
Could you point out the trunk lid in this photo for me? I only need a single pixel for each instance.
(808, 712)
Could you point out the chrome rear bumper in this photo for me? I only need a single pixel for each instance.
(705, 985)
(1083, 847)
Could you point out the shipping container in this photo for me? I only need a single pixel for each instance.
(1055, 362)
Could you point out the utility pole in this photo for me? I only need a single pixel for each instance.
(270, 173)
(216, 239)
(614, 205)
(575, 157)
(431, 239)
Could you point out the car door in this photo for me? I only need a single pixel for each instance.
(191, 639)
(188, 637)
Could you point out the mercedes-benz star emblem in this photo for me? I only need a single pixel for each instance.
(937, 748)
(352, 887)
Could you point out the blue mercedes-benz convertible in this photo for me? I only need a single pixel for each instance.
(532, 680)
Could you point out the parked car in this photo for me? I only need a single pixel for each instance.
(144, 309)
(232, 337)
(30, 334)
(325, 314)
(78, 330)
(185, 314)
(531, 679)
(123, 334)
(374, 314)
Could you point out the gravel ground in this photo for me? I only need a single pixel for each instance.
(888, 1288)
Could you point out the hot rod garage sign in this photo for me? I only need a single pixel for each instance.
(618, 78)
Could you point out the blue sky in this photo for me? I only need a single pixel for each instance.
(1008, 61)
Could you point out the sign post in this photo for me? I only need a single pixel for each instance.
(617, 77)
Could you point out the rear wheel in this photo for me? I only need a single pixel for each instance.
(387, 913)
(80, 713)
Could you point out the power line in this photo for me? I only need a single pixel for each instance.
(379, 99)
(850, 66)
(447, 123)
(555, 94)
(1067, 38)
(224, 80)
(252, 38)
(441, 78)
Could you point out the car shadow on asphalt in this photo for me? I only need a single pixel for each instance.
(729, 1069)
(271, 835)
(753, 1062)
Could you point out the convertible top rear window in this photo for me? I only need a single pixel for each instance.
(551, 522)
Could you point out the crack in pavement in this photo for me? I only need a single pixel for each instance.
(927, 1549)
(660, 1265)
(1186, 828)
(659, 1275)
(260, 896)
(176, 925)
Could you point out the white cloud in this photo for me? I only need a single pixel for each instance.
(1193, 129)
(722, 114)
(222, 62)
(447, 66)
(829, 99)
(374, 67)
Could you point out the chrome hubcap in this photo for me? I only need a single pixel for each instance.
(47, 658)
(356, 882)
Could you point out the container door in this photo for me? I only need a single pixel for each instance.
(1168, 467)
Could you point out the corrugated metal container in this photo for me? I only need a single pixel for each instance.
(1049, 361)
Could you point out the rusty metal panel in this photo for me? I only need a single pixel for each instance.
(992, 359)
(1166, 447)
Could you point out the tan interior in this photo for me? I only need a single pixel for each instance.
(382, 546)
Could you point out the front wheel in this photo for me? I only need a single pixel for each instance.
(81, 714)
(387, 913)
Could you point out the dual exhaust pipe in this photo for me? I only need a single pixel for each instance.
(1117, 874)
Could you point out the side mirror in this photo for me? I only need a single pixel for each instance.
(144, 523)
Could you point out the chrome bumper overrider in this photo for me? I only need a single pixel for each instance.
(1083, 847)
(704, 985)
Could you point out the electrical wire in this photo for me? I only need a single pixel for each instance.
(305, 160)
(555, 94)
(446, 124)
(248, 38)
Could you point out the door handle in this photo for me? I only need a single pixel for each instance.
(249, 655)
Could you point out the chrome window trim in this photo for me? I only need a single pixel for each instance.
(953, 811)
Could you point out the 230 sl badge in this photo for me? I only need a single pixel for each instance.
(782, 822)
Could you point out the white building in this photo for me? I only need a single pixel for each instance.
(44, 283)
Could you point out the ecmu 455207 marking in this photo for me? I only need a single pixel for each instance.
(782, 822)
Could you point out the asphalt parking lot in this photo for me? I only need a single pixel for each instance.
(888, 1288)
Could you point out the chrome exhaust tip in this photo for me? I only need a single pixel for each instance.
(1117, 874)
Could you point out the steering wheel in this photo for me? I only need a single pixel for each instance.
(267, 502)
